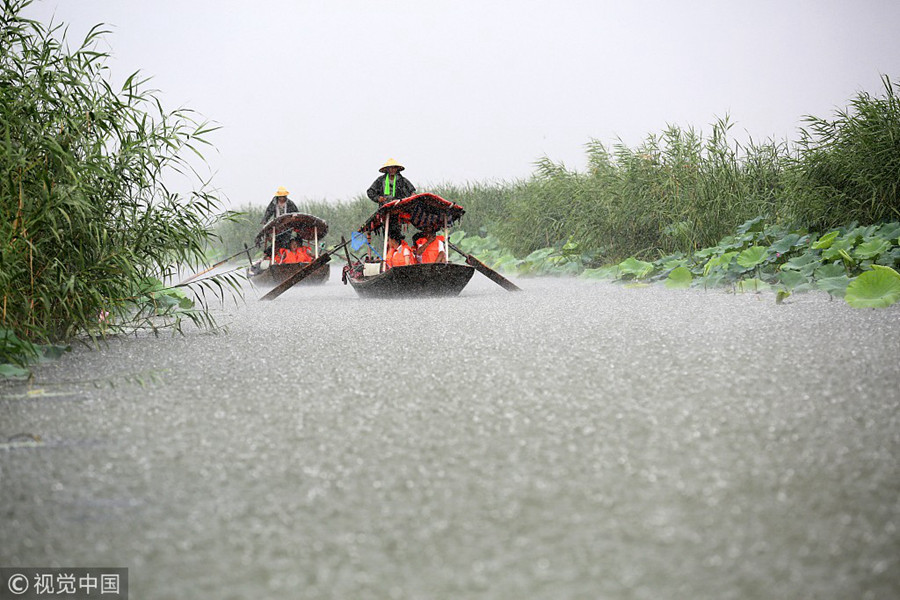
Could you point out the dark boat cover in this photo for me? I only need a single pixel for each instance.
(420, 211)
(304, 225)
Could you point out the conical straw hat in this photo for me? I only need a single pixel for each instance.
(390, 163)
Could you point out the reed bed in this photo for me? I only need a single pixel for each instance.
(89, 231)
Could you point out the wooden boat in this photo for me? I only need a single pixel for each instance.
(372, 279)
(276, 234)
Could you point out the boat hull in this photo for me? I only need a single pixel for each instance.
(276, 274)
(432, 279)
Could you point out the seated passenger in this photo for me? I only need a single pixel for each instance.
(418, 245)
(399, 253)
(297, 253)
(433, 249)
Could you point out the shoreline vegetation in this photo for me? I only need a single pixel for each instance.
(93, 238)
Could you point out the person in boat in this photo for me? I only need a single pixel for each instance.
(280, 205)
(418, 240)
(295, 253)
(390, 186)
(399, 254)
(434, 249)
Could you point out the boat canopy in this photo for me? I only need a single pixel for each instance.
(307, 226)
(420, 211)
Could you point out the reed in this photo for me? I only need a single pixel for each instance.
(848, 169)
(89, 229)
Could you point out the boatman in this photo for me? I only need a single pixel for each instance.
(280, 205)
(390, 186)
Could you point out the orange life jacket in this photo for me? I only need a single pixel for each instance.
(432, 250)
(288, 256)
(397, 257)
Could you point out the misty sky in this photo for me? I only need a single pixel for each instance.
(315, 96)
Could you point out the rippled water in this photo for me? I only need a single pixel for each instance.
(578, 440)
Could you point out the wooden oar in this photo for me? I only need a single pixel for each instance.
(218, 264)
(301, 274)
(488, 272)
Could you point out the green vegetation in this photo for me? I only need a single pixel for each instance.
(90, 232)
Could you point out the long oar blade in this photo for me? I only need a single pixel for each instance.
(488, 272)
(301, 274)
(218, 264)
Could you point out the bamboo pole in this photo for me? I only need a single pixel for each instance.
(387, 225)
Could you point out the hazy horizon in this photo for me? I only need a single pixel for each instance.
(316, 96)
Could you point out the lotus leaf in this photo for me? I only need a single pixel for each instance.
(754, 224)
(638, 268)
(802, 262)
(791, 279)
(871, 248)
(836, 286)
(601, 273)
(752, 257)
(719, 261)
(834, 252)
(877, 288)
(787, 243)
(752, 285)
(830, 270)
(826, 240)
(890, 231)
(679, 278)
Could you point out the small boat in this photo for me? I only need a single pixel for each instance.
(276, 234)
(371, 278)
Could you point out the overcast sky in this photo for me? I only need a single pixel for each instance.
(315, 96)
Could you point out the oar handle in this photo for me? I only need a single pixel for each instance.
(487, 271)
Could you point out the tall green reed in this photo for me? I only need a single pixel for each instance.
(89, 229)
(848, 168)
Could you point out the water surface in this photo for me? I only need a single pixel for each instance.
(577, 440)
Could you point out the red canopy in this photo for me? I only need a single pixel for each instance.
(420, 211)
(304, 225)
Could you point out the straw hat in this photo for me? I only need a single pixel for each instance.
(390, 163)
(281, 191)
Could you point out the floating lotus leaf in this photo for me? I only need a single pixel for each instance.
(839, 248)
(602, 273)
(752, 285)
(679, 278)
(890, 231)
(830, 270)
(752, 257)
(871, 248)
(877, 288)
(754, 224)
(826, 240)
(792, 279)
(638, 268)
(787, 243)
(805, 263)
(719, 261)
(836, 286)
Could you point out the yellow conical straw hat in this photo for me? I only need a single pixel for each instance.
(281, 191)
(390, 163)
